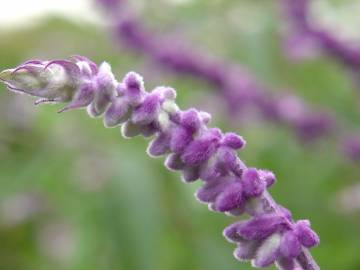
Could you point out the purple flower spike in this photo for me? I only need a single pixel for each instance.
(290, 246)
(192, 148)
(261, 227)
(254, 185)
(307, 237)
(230, 198)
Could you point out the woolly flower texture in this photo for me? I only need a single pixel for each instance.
(197, 151)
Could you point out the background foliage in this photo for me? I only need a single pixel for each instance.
(76, 196)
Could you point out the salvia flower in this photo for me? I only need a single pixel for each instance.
(199, 152)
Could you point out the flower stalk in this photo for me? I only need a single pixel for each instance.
(269, 236)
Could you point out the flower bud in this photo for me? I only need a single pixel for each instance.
(306, 235)
(117, 113)
(160, 145)
(253, 185)
(148, 111)
(261, 227)
(200, 150)
(230, 198)
(51, 81)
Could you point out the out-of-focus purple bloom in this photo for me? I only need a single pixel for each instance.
(21, 207)
(305, 32)
(299, 46)
(348, 200)
(269, 236)
(351, 148)
(58, 241)
(238, 87)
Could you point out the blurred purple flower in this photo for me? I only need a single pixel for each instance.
(297, 13)
(58, 241)
(351, 148)
(21, 207)
(240, 89)
(348, 199)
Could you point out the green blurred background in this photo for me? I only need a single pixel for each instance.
(77, 196)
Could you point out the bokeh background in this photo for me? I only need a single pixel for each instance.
(76, 196)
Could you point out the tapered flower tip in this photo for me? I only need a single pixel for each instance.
(24, 78)
(5, 74)
(233, 141)
(47, 80)
(268, 176)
